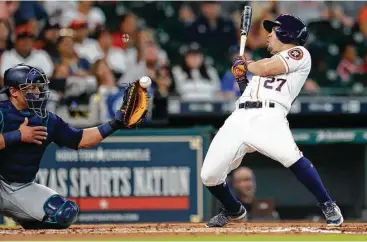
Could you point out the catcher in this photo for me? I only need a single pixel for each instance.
(26, 129)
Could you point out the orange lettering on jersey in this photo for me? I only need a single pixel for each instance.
(295, 53)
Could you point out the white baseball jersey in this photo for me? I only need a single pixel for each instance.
(284, 88)
(265, 130)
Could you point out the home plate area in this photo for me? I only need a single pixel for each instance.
(151, 231)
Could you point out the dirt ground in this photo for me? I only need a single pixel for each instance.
(146, 231)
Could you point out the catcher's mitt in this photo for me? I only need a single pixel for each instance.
(134, 105)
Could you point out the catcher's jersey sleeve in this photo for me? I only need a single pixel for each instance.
(295, 59)
(65, 135)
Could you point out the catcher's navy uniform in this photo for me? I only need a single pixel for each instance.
(30, 204)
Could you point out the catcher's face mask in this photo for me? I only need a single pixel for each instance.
(36, 92)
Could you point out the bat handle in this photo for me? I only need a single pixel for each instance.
(242, 44)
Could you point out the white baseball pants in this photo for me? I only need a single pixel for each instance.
(265, 130)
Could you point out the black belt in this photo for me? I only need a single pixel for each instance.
(255, 104)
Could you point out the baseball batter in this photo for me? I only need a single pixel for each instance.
(259, 122)
(26, 129)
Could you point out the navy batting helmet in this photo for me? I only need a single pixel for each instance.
(291, 29)
(33, 83)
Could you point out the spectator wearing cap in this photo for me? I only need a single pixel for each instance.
(113, 56)
(93, 15)
(194, 80)
(23, 52)
(85, 47)
(48, 38)
(30, 12)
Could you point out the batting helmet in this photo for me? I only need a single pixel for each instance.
(33, 82)
(291, 29)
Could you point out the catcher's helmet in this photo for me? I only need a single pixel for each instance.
(33, 83)
(291, 29)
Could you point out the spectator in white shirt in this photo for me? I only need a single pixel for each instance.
(194, 80)
(113, 56)
(85, 47)
(23, 52)
(85, 10)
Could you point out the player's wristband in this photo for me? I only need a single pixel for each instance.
(12, 138)
(106, 129)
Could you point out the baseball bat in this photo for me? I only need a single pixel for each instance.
(245, 27)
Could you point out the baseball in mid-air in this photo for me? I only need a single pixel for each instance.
(145, 82)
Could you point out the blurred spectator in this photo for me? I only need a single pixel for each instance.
(7, 10)
(348, 64)
(23, 52)
(362, 20)
(68, 62)
(258, 36)
(4, 35)
(212, 31)
(75, 71)
(170, 33)
(311, 86)
(148, 37)
(363, 67)
(144, 58)
(128, 32)
(85, 47)
(186, 15)
(30, 12)
(162, 89)
(308, 11)
(195, 80)
(94, 16)
(48, 38)
(103, 75)
(56, 9)
(244, 184)
(114, 57)
(346, 11)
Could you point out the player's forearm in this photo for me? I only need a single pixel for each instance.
(90, 138)
(94, 136)
(259, 68)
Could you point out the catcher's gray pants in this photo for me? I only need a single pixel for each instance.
(23, 202)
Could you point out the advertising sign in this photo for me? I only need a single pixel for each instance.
(130, 178)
